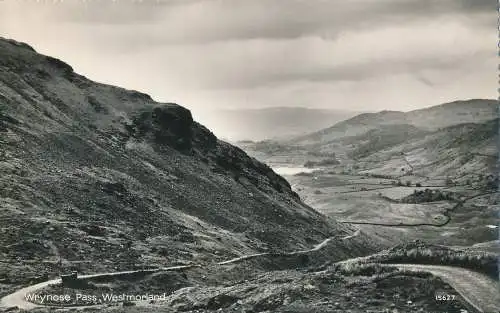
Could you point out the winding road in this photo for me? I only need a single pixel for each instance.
(319, 246)
(480, 292)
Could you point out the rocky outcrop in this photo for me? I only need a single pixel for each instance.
(164, 124)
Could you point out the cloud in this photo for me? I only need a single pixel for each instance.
(478, 5)
(163, 22)
(354, 55)
(272, 52)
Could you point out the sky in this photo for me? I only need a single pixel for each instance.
(362, 55)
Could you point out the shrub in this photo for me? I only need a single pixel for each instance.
(380, 176)
(428, 195)
(408, 183)
(324, 162)
(363, 269)
(492, 184)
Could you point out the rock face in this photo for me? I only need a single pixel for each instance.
(94, 172)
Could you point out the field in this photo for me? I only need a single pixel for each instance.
(360, 198)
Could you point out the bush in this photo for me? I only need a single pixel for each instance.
(491, 182)
(428, 195)
(304, 174)
(408, 183)
(418, 185)
(363, 269)
(379, 176)
(324, 162)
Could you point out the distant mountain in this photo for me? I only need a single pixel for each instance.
(433, 118)
(270, 123)
(454, 113)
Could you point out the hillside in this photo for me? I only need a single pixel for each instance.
(98, 178)
(454, 113)
(461, 151)
(429, 119)
(380, 138)
(402, 175)
(270, 123)
(464, 152)
(469, 148)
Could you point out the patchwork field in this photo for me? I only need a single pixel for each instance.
(353, 199)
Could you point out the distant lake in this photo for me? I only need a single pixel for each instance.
(282, 170)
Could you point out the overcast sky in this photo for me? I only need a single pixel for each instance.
(356, 54)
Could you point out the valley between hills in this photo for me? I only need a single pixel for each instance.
(378, 213)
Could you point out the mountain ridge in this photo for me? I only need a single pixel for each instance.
(430, 118)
